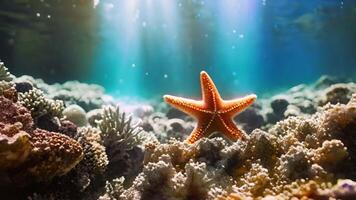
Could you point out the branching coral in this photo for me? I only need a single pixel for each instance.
(35, 101)
(113, 189)
(4, 73)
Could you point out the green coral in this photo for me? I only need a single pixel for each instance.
(4, 73)
(35, 101)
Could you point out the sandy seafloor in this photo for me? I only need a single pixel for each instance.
(73, 141)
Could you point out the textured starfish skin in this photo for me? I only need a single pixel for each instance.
(212, 112)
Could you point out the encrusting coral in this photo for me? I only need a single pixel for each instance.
(33, 152)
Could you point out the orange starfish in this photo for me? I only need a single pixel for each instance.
(213, 113)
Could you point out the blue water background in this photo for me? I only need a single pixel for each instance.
(152, 47)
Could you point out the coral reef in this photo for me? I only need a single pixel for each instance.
(27, 151)
(300, 145)
(87, 96)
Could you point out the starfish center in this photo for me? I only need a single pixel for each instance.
(212, 113)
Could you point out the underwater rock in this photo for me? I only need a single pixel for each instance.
(175, 113)
(23, 87)
(48, 122)
(75, 114)
(339, 93)
(279, 104)
(94, 116)
(250, 119)
(288, 152)
(325, 81)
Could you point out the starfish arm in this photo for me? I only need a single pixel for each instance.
(229, 128)
(189, 106)
(235, 106)
(200, 131)
(210, 93)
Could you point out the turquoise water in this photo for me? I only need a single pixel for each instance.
(147, 48)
